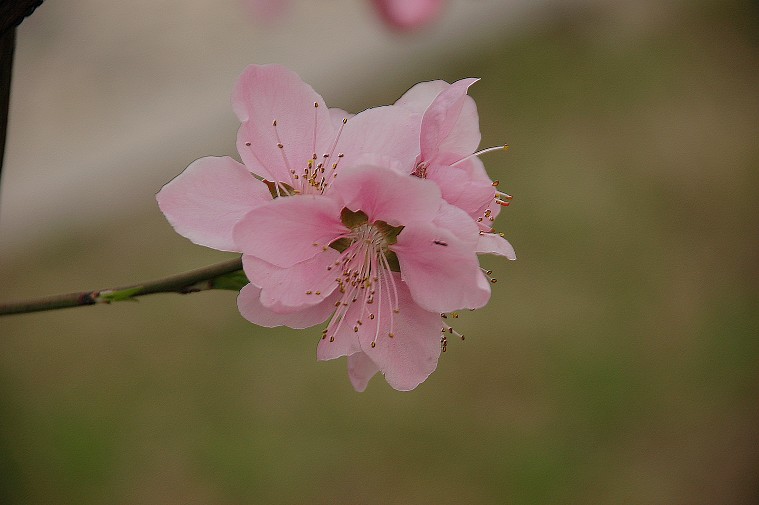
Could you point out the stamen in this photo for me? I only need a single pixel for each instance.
(333, 172)
(489, 275)
(281, 146)
(450, 330)
(316, 123)
(504, 147)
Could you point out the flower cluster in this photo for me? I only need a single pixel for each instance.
(370, 222)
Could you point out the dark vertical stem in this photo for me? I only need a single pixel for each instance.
(7, 47)
(12, 13)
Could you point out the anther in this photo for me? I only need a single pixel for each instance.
(374, 345)
(279, 144)
(332, 339)
(247, 144)
(274, 123)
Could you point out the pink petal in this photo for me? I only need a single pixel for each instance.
(249, 304)
(460, 189)
(410, 355)
(493, 243)
(458, 222)
(337, 116)
(291, 229)
(286, 289)
(360, 369)
(442, 273)
(391, 132)
(204, 202)
(450, 123)
(421, 95)
(407, 14)
(384, 194)
(265, 93)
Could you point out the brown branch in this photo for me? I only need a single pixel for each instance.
(226, 275)
(13, 12)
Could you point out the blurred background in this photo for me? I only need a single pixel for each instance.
(617, 362)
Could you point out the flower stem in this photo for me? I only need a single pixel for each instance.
(225, 275)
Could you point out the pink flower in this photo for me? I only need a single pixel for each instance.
(289, 137)
(290, 140)
(449, 136)
(379, 251)
(407, 14)
(382, 253)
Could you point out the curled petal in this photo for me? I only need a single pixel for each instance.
(451, 123)
(360, 369)
(493, 243)
(249, 304)
(442, 273)
(421, 95)
(289, 230)
(204, 202)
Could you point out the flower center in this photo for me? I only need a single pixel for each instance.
(316, 173)
(365, 276)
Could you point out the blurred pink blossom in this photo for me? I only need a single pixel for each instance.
(397, 14)
(408, 14)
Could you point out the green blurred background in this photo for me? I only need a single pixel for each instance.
(616, 363)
